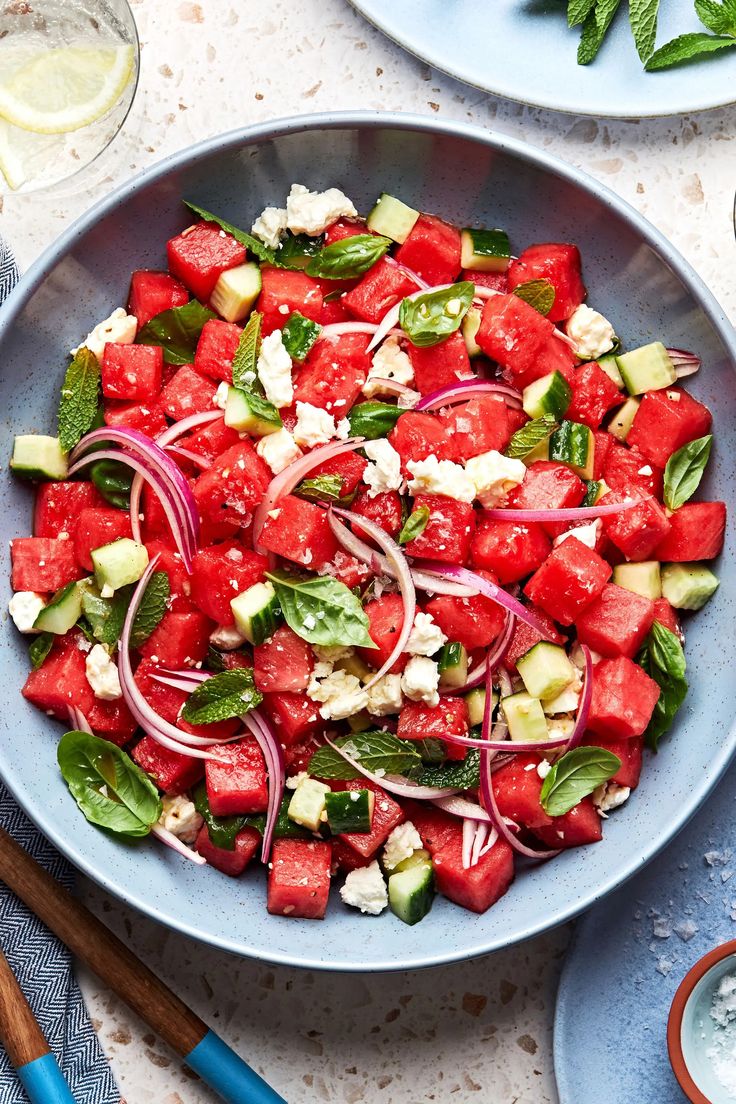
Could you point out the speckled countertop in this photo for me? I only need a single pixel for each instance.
(458, 1032)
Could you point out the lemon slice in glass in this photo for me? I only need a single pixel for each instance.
(64, 89)
(23, 153)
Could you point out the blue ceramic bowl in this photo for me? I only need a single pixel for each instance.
(467, 175)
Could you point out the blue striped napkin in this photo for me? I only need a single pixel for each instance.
(41, 963)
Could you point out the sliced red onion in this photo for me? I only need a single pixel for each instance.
(468, 389)
(686, 364)
(581, 720)
(391, 317)
(483, 841)
(393, 783)
(567, 340)
(187, 454)
(468, 838)
(178, 680)
(274, 757)
(490, 590)
(390, 387)
(397, 560)
(461, 807)
(176, 844)
(78, 721)
(573, 513)
(418, 280)
(338, 329)
(482, 292)
(478, 674)
(512, 746)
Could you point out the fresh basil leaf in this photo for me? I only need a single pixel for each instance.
(429, 318)
(255, 245)
(222, 830)
(575, 776)
(643, 19)
(321, 488)
(349, 257)
(539, 294)
(685, 48)
(595, 29)
(39, 648)
(463, 773)
(297, 250)
(684, 471)
(79, 401)
(109, 788)
(578, 11)
(245, 360)
(530, 436)
(719, 18)
(177, 331)
(321, 610)
(414, 525)
(113, 480)
(663, 660)
(376, 750)
(299, 335)
(226, 695)
(373, 419)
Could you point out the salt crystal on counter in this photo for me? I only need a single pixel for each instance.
(664, 965)
(662, 928)
(686, 929)
(718, 858)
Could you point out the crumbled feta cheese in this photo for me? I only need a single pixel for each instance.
(221, 393)
(341, 695)
(560, 728)
(609, 796)
(102, 674)
(493, 475)
(107, 591)
(425, 637)
(384, 474)
(543, 768)
(120, 328)
(296, 780)
(385, 696)
(332, 653)
(390, 362)
(314, 426)
(401, 844)
(586, 534)
(180, 817)
(312, 212)
(433, 476)
(270, 226)
(420, 680)
(321, 670)
(278, 449)
(342, 429)
(365, 889)
(24, 607)
(646, 470)
(407, 400)
(592, 333)
(226, 638)
(274, 370)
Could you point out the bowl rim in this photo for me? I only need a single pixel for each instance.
(677, 1011)
(526, 153)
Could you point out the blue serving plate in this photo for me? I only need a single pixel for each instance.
(467, 175)
(523, 50)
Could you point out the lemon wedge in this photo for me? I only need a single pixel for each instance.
(65, 89)
(23, 154)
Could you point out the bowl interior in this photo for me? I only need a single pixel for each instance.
(470, 178)
(699, 1034)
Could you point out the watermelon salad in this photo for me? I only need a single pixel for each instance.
(360, 553)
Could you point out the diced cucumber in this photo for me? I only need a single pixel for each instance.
(646, 369)
(250, 413)
(118, 564)
(476, 703)
(256, 612)
(595, 490)
(236, 291)
(545, 670)
(308, 804)
(641, 578)
(38, 457)
(610, 366)
(354, 665)
(411, 892)
(565, 702)
(573, 444)
(485, 250)
(525, 717)
(392, 218)
(360, 722)
(349, 810)
(299, 335)
(539, 452)
(63, 611)
(549, 395)
(453, 665)
(687, 586)
(623, 419)
(469, 328)
(417, 858)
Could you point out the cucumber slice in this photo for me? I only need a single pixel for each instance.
(485, 250)
(299, 335)
(256, 612)
(549, 395)
(642, 578)
(392, 218)
(646, 369)
(118, 564)
(573, 444)
(418, 858)
(62, 612)
(687, 586)
(349, 810)
(250, 413)
(411, 892)
(469, 328)
(623, 419)
(38, 457)
(595, 490)
(476, 703)
(545, 669)
(308, 804)
(525, 717)
(453, 665)
(354, 665)
(610, 367)
(236, 291)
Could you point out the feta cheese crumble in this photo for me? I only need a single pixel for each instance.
(119, 328)
(340, 693)
(390, 362)
(102, 674)
(226, 638)
(586, 534)
(296, 780)
(180, 817)
(220, 399)
(24, 607)
(401, 844)
(278, 449)
(610, 796)
(274, 370)
(420, 680)
(342, 429)
(332, 653)
(270, 226)
(425, 637)
(384, 474)
(365, 889)
(312, 212)
(385, 696)
(314, 426)
(592, 333)
(493, 475)
(442, 477)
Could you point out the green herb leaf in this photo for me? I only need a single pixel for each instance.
(297, 250)
(245, 360)
(39, 648)
(321, 610)
(643, 19)
(221, 830)
(719, 18)
(530, 436)
(595, 29)
(575, 776)
(151, 609)
(106, 616)
(539, 294)
(113, 480)
(299, 335)
(109, 788)
(462, 773)
(177, 331)
(429, 318)
(414, 525)
(373, 419)
(80, 396)
(256, 247)
(349, 257)
(686, 48)
(578, 11)
(663, 660)
(226, 695)
(684, 471)
(321, 488)
(214, 660)
(375, 750)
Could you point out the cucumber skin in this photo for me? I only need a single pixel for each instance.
(411, 893)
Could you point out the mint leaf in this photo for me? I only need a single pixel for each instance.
(109, 788)
(684, 471)
(375, 750)
(595, 29)
(113, 480)
(321, 488)
(575, 776)
(105, 616)
(151, 609)
(222, 830)
(221, 697)
(39, 648)
(530, 436)
(429, 318)
(414, 525)
(539, 294)
(177, 331)
(299, 335)
(321, 610)
(686, 48)
(463, 773)
(80, 396)
(296, 250)
(719, 18)
(373, 419)
(256, 247)
(578, 11)
(663, 660)
(643, 19)
(246, 354)
(349, 257)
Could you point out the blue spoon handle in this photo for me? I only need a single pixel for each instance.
(228, 1074)
(44, 1082)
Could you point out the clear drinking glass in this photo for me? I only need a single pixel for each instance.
(68, 76)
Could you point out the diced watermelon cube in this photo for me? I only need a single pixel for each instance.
(593, 394)
(696, 533)
(112, 720)
(665, 421)
(560, 264)
(299, 878)
(625, 469)
(548, 486)
(350, 571)
(345, 228)
(417, 436)
(283, 662)
(617, 622)
(98, 525)
(186, 393)
(666, 615)
(147, 417)
(474, 427)
(344, 859)
(212, 440)
(131, 371)
(581, 826)
(440, 365)
(61, 681)
(179, 639)
(170, 561)
(173, 773)
(385, 618)
(152, 292)
(602, 446)
(449, 532)
(418, 721)
(199, 256)
(432, 249)
(284, 291)
(630, 752)
(516, 787)
(334, 373)
(294, 716)
(521, 340)
(383, 286)
(524, 637)
(637, 531)
(43, 564)
(239, 785)
(569, 580)
(220, 573)
(234, 862)
(58, 506)
(434, 825)
(231, 489)
(473, 622)
(167, 701)
(384, 508)
(496, 281)
(300, 532)
(216, 348)
(624, 697)
(350, 466)
(510, 549)
(387, 813)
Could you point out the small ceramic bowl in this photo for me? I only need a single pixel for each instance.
(691, 1031)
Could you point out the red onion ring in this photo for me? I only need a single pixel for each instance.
(468, 389)
(418, 280)
(461, 807)
(172, 841)
(468, 839)
(390, 387)
(581, 720)
(274, 757)
(574, 513)
(192, 457)
(337, 329)
(490, 590)
(392, 783)
(686, 363)
(78, 720)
